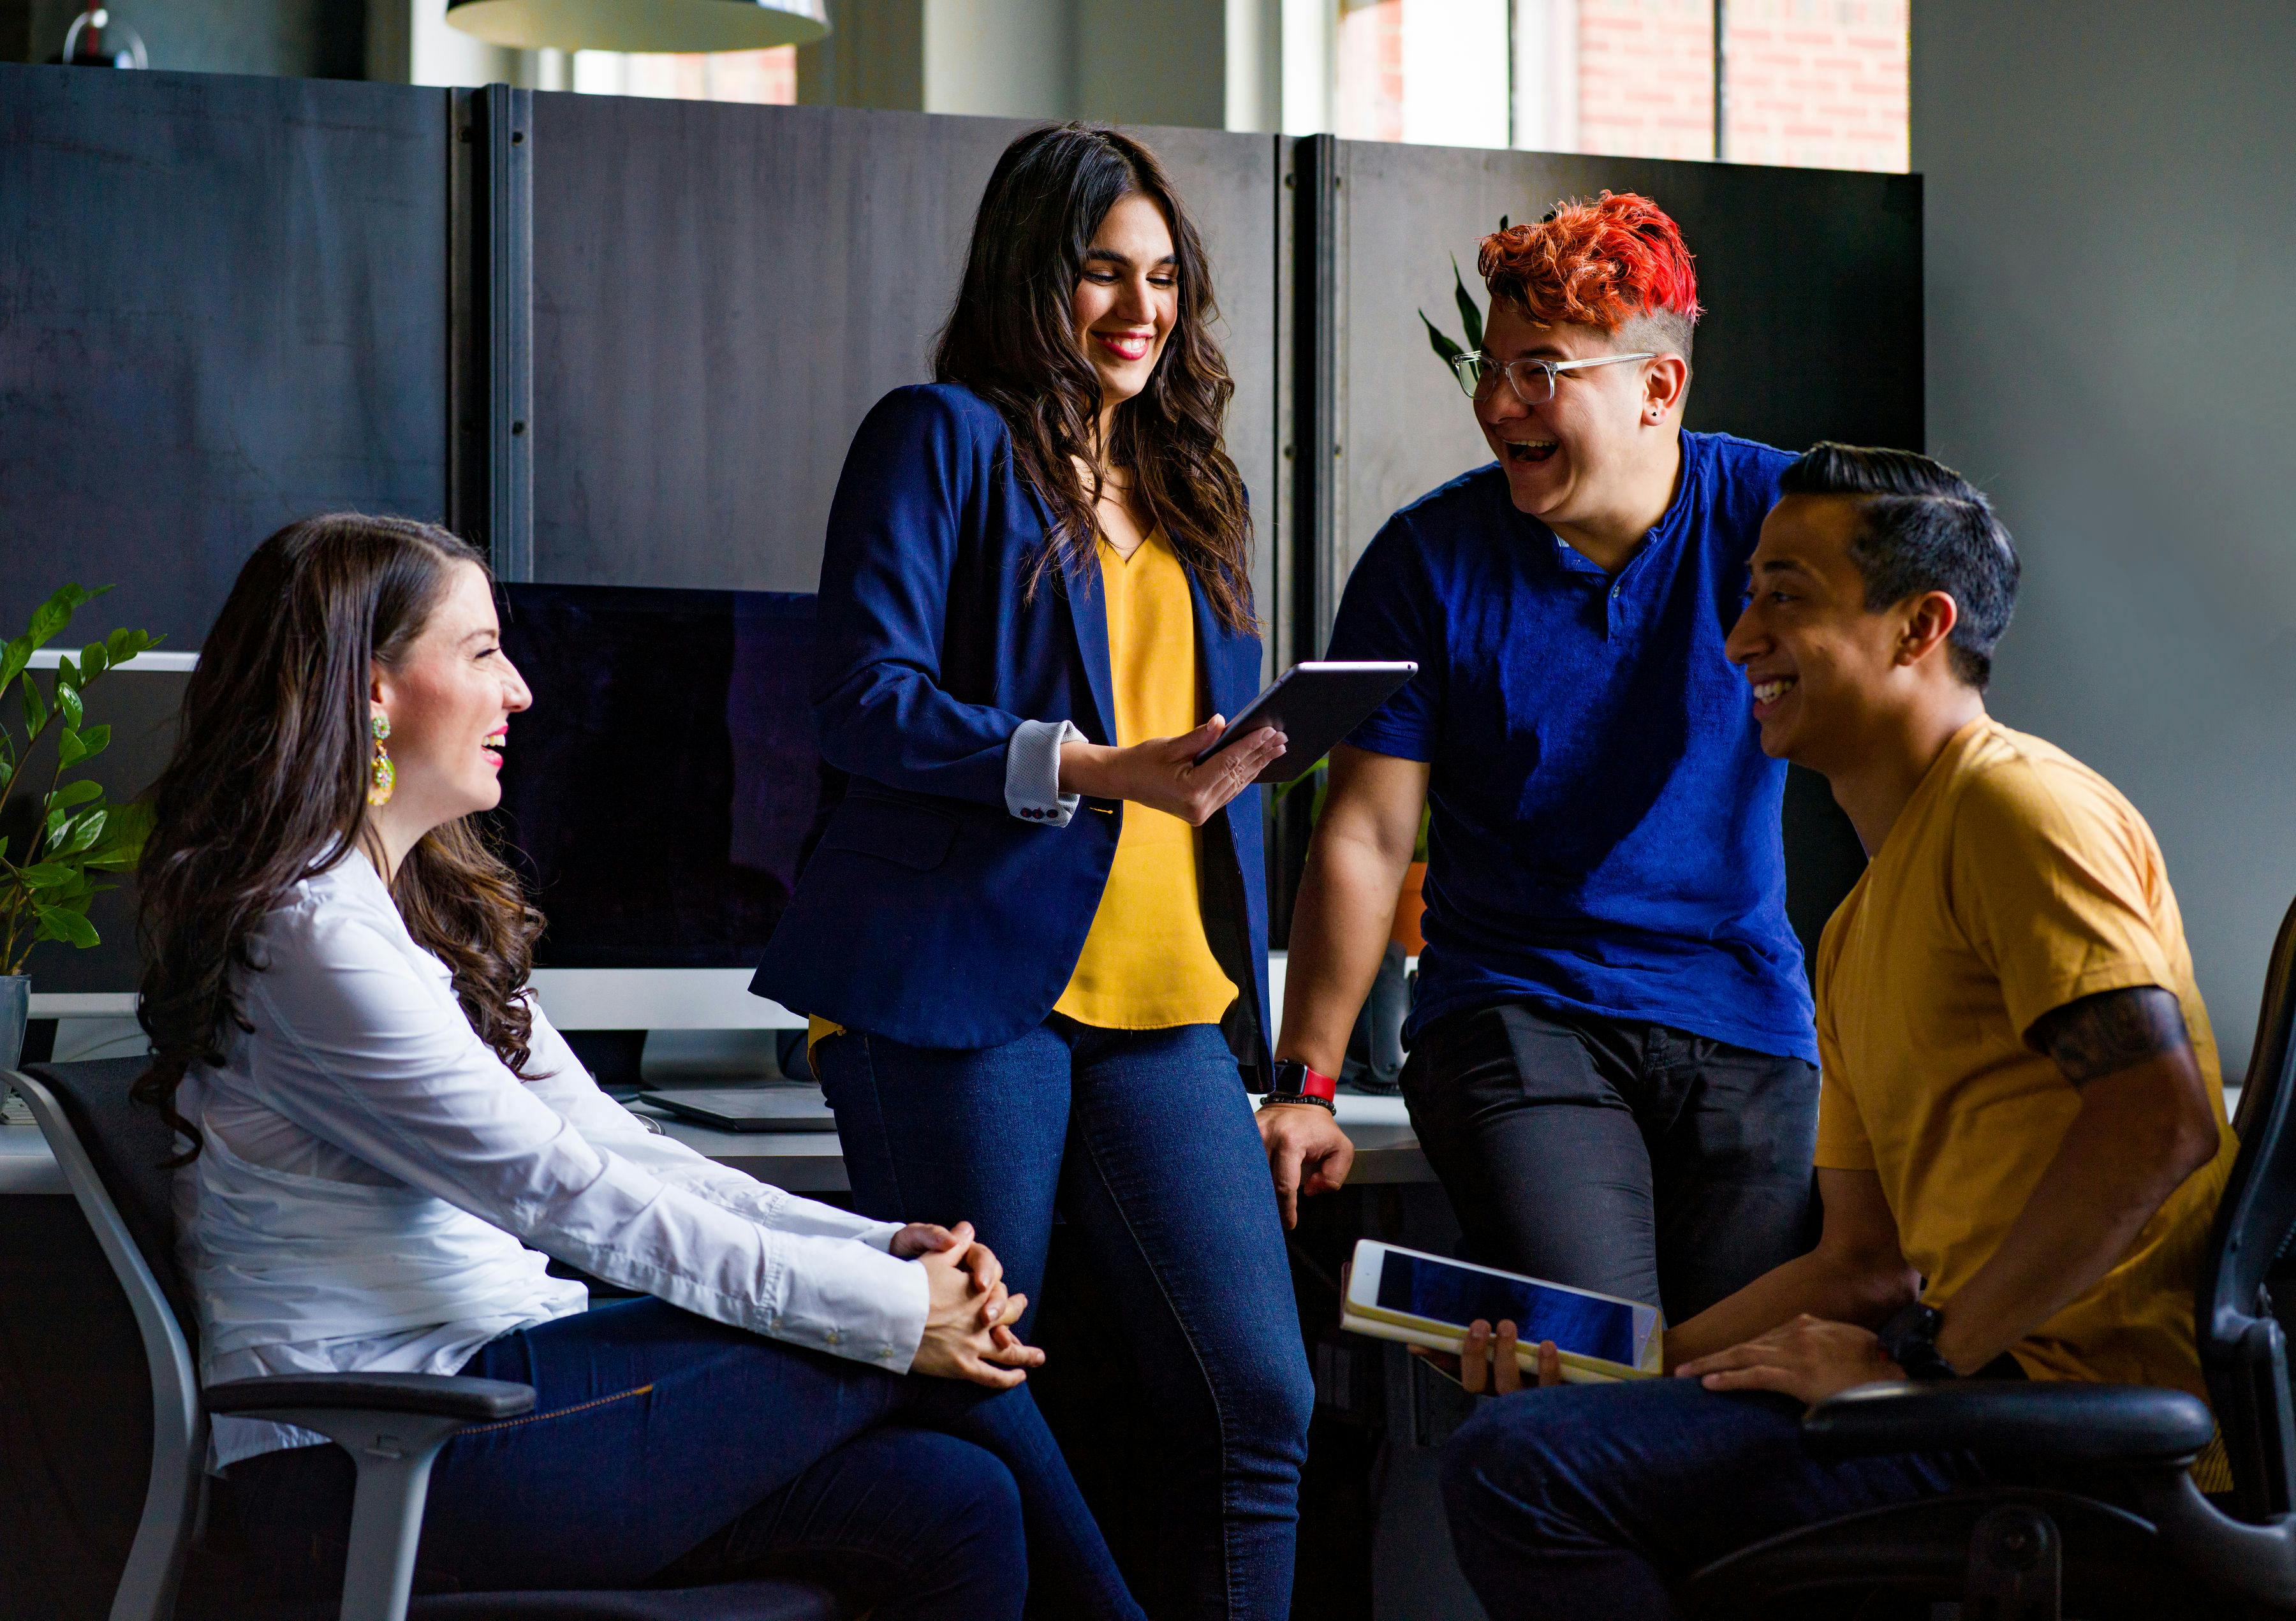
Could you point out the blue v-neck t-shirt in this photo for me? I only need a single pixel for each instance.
(1605, 828)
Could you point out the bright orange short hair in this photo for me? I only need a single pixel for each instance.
(1600, 264)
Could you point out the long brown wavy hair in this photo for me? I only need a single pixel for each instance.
(267, 787)
(1013, 341)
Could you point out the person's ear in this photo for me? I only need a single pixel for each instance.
(1930, 619)
(1665, 380)
(379, 687)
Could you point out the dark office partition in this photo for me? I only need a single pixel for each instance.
(1812, 283)
(222, 306)
(720, 293)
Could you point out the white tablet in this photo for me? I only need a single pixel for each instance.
(1315, 705)
(1429, 1300)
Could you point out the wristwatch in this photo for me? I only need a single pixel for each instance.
(1295, 1083)
(1910, 1340)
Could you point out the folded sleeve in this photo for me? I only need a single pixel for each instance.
(1032, 773)
(910, 489)
(375, 1057)
(1389, 612)
(2055, 885)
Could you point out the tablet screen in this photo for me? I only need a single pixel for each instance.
(1458, 1295)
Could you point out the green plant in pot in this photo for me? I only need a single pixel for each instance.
(59, 834)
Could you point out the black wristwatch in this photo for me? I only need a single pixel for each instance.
(1295, 1083)
(1910, 1340)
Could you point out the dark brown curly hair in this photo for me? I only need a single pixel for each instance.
(267, 787)
(1013, 341)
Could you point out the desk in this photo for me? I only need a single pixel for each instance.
(811, 1162)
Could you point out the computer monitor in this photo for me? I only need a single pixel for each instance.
(658, 793)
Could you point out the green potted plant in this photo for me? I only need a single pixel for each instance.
(63, 833)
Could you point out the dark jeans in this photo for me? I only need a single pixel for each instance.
(1616, 1156)
(668, 1450)
(1144, 1140)
(1589, 1500)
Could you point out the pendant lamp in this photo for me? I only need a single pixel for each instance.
(642, 25)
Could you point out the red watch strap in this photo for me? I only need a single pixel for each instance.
(1313, 1084)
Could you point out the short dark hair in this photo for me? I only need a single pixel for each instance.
(1923, 527)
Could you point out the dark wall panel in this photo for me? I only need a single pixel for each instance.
(222, 306)
(722, 293)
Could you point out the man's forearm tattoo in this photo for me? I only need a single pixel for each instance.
(2111, 1031)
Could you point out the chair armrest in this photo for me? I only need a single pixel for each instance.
(2043, 1422)
(443, 1395)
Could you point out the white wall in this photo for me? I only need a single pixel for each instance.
(2110, 268)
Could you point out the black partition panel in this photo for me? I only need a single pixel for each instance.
(222, 306)
(720, 293)
(1812, 285)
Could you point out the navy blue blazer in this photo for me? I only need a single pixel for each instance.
(927, 911)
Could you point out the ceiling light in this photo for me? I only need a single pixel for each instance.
(642, 25)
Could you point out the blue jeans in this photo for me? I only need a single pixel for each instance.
(1144, 1140)
(668, 1450)
(1589, 1500)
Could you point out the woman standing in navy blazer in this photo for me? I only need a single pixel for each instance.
(1033, 935)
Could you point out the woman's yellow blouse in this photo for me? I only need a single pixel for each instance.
(1146, 963)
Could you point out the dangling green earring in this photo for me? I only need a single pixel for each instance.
(383, 776)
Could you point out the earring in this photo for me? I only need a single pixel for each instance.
(383, 776)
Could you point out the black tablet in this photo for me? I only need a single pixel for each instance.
(1313, 706)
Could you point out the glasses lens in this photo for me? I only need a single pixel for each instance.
(1533, 381)
(1469, 370)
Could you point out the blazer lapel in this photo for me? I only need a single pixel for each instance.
(1088, 613)
(1231, 661)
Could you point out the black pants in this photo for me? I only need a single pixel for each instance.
(1614, 1155)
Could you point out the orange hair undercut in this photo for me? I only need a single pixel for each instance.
(1600, 264)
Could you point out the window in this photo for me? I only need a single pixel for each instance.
(762, 77)
(1804, 83)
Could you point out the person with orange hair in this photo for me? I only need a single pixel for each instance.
(1611, 1062)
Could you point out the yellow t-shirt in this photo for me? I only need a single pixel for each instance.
(1146, 963)
(2015, 881)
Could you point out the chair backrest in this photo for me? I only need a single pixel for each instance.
(2244, 1352)
(109, 1151)
(127, 1145)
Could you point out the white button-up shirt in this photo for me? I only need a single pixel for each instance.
(378, 1191)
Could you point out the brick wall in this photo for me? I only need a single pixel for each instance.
(1646, 77)
(1817, 83)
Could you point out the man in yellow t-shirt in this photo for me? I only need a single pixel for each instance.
(2021, 1134)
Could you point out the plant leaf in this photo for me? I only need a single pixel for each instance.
(57, 923)
(44, 875)
(1445, 349)
(52, 615)
(35, 712)
(85, 831)
(92, 660)
(1471, 314)
(71, 794)
(96, 739)
(14, 655)
(69, 750)
(68, 703)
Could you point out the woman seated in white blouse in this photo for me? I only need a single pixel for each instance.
(384, 1140)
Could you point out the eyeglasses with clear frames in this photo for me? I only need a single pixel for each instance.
(1532, 380)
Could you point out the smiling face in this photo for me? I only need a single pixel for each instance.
(1822, 668)
(449, 697)
(1589, 452)
(1128, 298)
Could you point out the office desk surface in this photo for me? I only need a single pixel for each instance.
(810, 1162)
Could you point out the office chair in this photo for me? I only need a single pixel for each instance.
(2134, 1536)
(392, 1424)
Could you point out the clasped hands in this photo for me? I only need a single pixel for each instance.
(1808, 1358)
(969, 1322)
